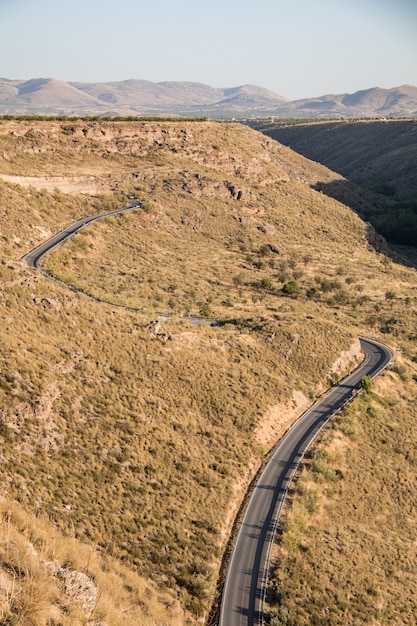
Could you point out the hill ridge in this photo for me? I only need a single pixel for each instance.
(141, 97)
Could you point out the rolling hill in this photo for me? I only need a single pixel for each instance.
(129, 435)
(142, 97)
(375, 102)
(129, 97)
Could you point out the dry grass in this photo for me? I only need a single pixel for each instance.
(347, 551)
(133, 444)
(33, 591)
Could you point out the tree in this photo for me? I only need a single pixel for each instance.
(366, 383)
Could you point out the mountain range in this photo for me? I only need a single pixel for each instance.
(50, 96)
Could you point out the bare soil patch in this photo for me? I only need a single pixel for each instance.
(65, 184)
(280, 417)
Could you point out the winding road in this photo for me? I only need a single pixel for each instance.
(34, 256)
(247, 576)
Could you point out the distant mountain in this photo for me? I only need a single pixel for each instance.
(130, 97)
(167, 95)
(51, 92)
(397, 102)
(42, 96)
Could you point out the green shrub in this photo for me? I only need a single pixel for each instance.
(291, 288)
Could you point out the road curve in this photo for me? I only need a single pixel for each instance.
(245, 586)
(246, 580)
(34, 256)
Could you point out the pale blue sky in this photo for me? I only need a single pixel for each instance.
(297, 48)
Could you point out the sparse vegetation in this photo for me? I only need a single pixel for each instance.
(137, 436)
(98, 118)
(351, 560)
(49, 578)
(378, 155)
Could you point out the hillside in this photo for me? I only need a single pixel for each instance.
(380, 156)
(136, 439)
(374, 102)
(49, 96)
(130, 97)
(373, 153)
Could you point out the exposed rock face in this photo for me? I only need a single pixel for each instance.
(78, 587)
(279, 418)
(49, 303)
(268, 229)
(154, 327)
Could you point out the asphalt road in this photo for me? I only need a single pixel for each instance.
(34, 256)
(246, 580)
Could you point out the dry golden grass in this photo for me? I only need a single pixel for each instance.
(134, 444)
(33, 591)
(347, 548)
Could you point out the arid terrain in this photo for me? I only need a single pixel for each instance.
(51, 96)
(380, 156)
(129, 435)
(372, 153)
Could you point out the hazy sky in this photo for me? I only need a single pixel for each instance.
(300, 48)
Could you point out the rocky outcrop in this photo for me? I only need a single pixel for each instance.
(77, 586)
